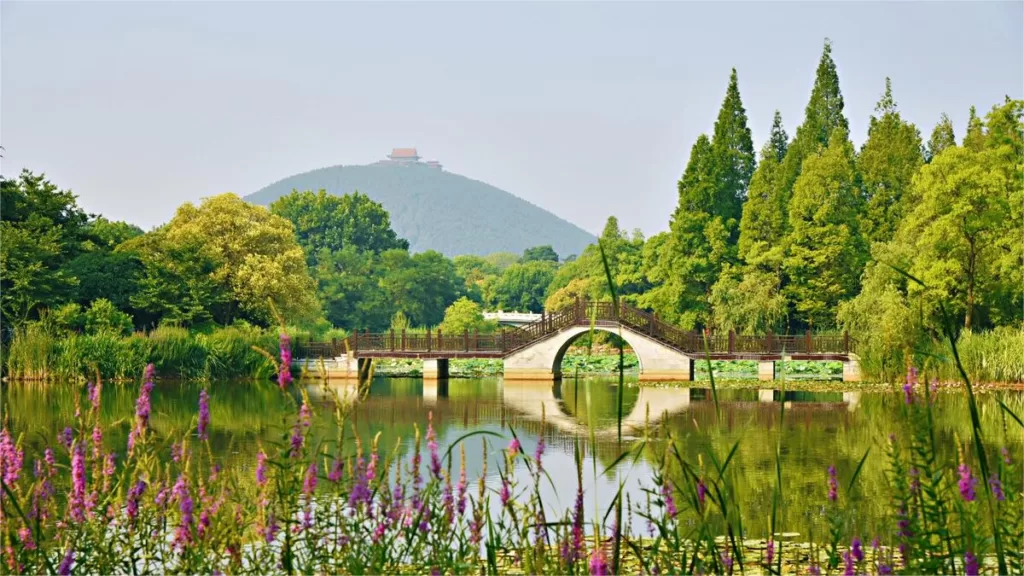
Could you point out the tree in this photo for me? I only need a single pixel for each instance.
(103, 316)
(826, 252)
(696, 248)
(824, 113)
(974, 140)
(41, 229)
(763, 225)
(258, 259)
(522, 286)
(478, 275)
(749, 303)
(102, 273)
(325, 221)
(463, 316)
(961, 230)
(422, 286)
(942, 138)
(102, 234)
(887, 163)
(733, 152)
(540, 253)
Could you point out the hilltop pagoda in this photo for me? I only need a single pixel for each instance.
(404, 155)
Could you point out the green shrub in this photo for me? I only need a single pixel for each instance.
(102, 316)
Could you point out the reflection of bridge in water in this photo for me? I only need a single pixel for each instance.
(524, 405)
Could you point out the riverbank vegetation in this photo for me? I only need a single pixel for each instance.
(811, 233)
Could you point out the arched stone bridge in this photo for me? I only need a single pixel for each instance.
(535, 351)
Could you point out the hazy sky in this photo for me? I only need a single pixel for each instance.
(584, 109)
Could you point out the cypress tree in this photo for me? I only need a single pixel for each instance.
(826, 252)
(975, 137)
(887, 163)
(697, 247)
(763, 225)
(733, 152)
(942, 138)
(823, 115)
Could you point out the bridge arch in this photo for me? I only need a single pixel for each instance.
(542, 360)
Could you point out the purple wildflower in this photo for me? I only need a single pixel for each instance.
(142, 408)
(297, 441)
(108, 464)
(360, 493)
(460, 489)
(875, 544)
(967, 483)
(134, 494)
(177, 451)
(183, 533)
(67, 437)
(269, 532)
(506, 492)
(50, 459)
(884, 569)
(335, 474)
(65, 565)
(514, 447)
(702, 491)
(814, 570)
(1006, 455)
(833, 484)
(848, 564)
(670, 503)
(11, 458)
(915, 480)
(577, 526)
(435, 459)
(598, 562)
(25, 536)
(309, 484)
(94, 395)
(970, 564)
(78, 484)
(261, 469)
(204, 414)
(284, 376)
(908, 388)
(97, 441)
(856, 550)
(727, 561)
(997, 487)
(769, 553)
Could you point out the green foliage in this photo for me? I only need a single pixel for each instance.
(540, 253)
(438, 210)
(887, 163)
(103, 273)
(102, 234)
(942, 137)
(826, 252)
(750, 303)
(422, 285)
(102, 316)
(41, 227)
(733, 152)
(463, 316)
(824, 113)
(326, 222)
(521, 287)
(763, 224)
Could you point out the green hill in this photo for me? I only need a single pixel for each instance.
(438, 210)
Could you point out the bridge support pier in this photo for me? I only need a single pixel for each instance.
(435, 369)
(766, 370)
(667, 369)
(851, 369)
(766, 395)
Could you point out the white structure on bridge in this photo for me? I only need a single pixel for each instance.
(513, 318)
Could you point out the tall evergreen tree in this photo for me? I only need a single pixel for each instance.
(763, 225)
(733, 152)
(888, 161)
(823, 115)
(697, 247)
(826, 251)
(975, 138)
(942, 138)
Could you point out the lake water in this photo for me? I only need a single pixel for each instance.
(819, 429)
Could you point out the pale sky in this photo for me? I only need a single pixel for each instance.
(584, 109)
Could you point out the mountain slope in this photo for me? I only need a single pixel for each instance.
(440, 210)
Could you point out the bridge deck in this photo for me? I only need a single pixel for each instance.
(719, 346)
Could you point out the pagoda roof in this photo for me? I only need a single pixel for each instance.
(403, 153)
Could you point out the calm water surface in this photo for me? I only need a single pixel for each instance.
(819, 429)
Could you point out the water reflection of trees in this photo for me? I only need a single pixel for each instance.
(819, 430)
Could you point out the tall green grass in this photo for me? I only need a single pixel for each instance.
(38, 353)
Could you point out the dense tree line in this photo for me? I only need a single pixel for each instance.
(810, 232)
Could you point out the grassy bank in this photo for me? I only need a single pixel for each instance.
(40, 353)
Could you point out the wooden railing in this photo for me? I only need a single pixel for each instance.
(583, 313)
